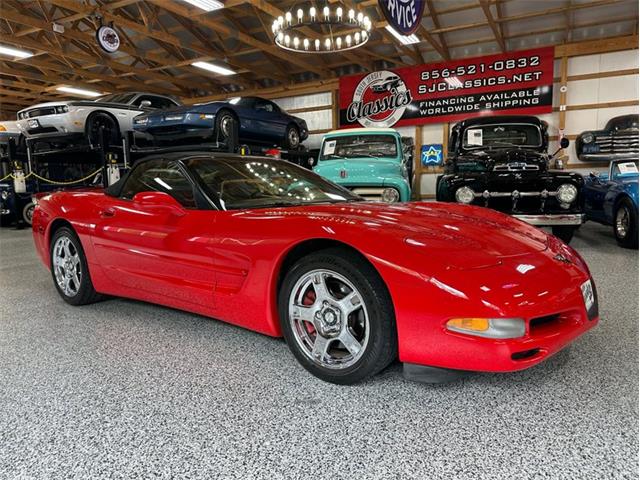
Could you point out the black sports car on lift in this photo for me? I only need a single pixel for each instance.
(501, 162)
(618, 139)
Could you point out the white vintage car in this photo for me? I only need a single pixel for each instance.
(112, 112)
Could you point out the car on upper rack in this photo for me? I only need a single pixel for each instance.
(619, 138)
(611, 198)
(252, 120)
(352, 285)
(501, 162)
(375, 163)
(112, 113)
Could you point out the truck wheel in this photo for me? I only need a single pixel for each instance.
(564, 232)
(625, 224)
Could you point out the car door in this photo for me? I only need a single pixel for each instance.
(594, 195)
(272, 122)
(162, 252)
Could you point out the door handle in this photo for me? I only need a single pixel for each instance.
(109, 212)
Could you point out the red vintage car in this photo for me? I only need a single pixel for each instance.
(351, 285)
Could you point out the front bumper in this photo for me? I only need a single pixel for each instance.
(550, 220)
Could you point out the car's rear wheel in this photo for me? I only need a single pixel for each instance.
(625, 224)
(27, 212)
(98, 122)
(337, 316)
(564, 232)
(292, 140)
(225, 125)
(70, 270)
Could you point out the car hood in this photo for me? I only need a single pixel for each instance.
(467, 237)
(46, 104)
(492, 158)
(358, 169)
(210, 107)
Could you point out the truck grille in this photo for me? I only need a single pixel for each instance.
(516, 167)
(618, 142)
(373, 194)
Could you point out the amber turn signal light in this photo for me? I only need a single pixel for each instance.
(488, 327)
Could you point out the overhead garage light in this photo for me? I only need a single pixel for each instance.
(213, 68)
(14, 52)
(404, 39)
(206, 5)
(79, 91)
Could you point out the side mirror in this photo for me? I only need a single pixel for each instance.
(564, 142)
(159, 201)
(145, 104)
(312, 162)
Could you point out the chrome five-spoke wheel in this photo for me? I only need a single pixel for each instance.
(329, 319)
(67, 267)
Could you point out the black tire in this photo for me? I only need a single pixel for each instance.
(380, 349)
(564, 232)
(292, 138)
(628, 238)
(111, 129)
(225, 120)
(85, 292)
(27, 212)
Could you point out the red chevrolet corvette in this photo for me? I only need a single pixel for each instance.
(351, 285)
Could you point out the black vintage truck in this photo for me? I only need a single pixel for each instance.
(501, 162)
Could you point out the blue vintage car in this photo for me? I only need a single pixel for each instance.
(375, 163)
(258, 121)
(611, 198)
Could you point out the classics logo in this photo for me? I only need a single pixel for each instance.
(379, 100)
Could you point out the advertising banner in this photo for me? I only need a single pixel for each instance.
(511, 83)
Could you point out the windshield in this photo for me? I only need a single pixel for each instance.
(261, 183)
(622, 168)
(116, 98)
(359, 146)
(501, 136)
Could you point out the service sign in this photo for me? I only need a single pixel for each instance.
(404, 16)
(511, 83)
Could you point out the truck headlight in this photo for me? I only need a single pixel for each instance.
(140, 121)
(465, 195)
(390, 195)
(4, 195)
(488, 327)
(588, 138)
(567, 193)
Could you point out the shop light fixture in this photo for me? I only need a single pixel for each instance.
(214, 68)
(206, 5)
(14, 52)
(404, 39)
(79, 91)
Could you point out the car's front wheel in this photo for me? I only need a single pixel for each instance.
(337, 317)
(70, 270)
(99, 124)
(27, 212)
(564, 232)
(625, 224)
(292, 140)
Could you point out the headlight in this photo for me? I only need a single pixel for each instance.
(173, 117)
(140, 121)
(464, 195)
(390, 195)
(3, 128)
(62, 109)
(206, 116)
(567, 193)
(488, 327)
(4, 195)
(588, 138)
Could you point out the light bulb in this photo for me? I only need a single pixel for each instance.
(339, 13)
(280, 37)
(300, 14)
(312, 13)
(366, 21)
(296, 42)
(287, 17)
(287, 40)
(364, 36)
(274, 27)
(326, 12)
(317, 43)
(280, 20)
(306, 44)
(356, 37)
(348, 40)
(352, 15)
(360, 17)
(327, 43)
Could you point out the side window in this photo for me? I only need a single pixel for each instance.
(160, 176)
(263, 105)
(156, 102)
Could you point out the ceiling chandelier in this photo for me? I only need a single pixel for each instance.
(321, 32)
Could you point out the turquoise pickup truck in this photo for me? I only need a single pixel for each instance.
(375, 163)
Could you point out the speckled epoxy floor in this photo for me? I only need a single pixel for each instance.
(123, 389)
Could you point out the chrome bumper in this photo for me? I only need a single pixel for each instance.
(576, 219)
